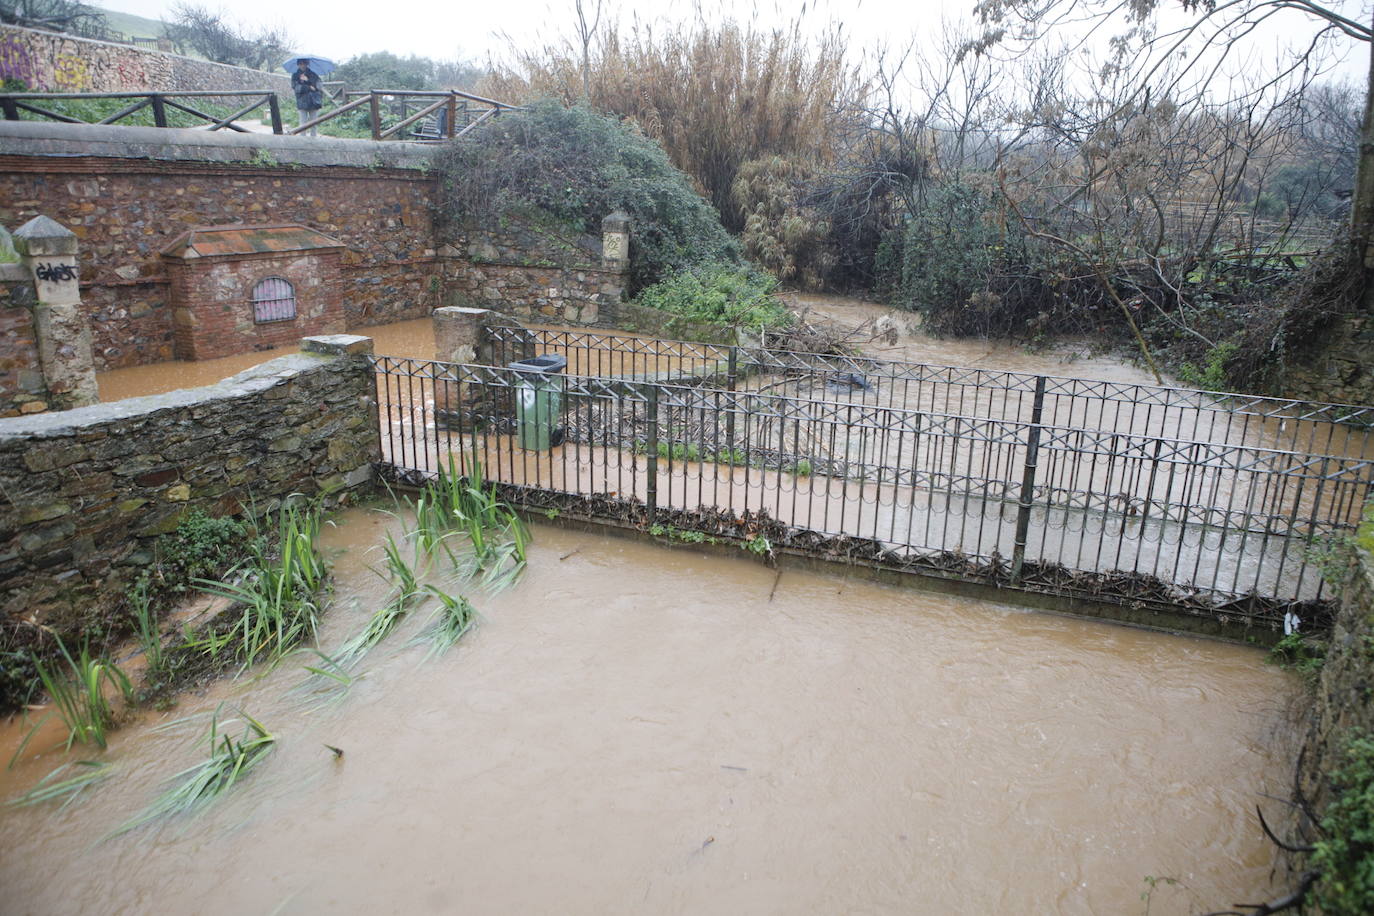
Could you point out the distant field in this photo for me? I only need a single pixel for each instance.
(131, 25)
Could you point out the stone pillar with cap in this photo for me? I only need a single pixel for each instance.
(62, 334)
(615, 241)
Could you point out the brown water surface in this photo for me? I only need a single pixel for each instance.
(403, 338)
(415, 339)
(1070, 358)
(636, 729)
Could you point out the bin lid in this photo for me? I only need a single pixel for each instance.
(548, 364)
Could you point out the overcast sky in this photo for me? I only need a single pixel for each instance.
(340, 29)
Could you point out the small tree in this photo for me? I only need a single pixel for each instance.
(211, 35)
(70, 16)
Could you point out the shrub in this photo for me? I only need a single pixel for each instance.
(720, 294)
(201, 548)
(1345, 853)
(573, 166)
(780, 232)
(955, 258)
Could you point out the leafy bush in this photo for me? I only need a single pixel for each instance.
(720, 294)
(780, 232)
(201, 548)
(1212, 375)
(1298, 653)
(956, 260)
(575, 166)
(1345, 852)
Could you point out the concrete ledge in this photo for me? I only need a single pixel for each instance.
(173, 144)
(337, 344)
(67, 422)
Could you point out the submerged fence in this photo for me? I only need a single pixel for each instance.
(1154, 497)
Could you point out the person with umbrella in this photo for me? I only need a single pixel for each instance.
(306, 70)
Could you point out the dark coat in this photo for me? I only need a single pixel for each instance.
(309, 94)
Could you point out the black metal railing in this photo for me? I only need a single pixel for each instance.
(1178, 413)
(1233, 531)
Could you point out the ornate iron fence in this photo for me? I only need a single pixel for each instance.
(1180, 413)
(1236, 531)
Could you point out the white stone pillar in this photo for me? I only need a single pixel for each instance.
(615, 242)
(60, 328)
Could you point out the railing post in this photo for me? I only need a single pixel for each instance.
(452, 113)
(1023, 511)
(651, 496)
(731, 378)
(159, 111)
(10, 109)
(375, 102)
(274, 111)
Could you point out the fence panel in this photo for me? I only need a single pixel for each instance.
(1022, 500)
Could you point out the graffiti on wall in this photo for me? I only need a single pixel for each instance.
(16, 62)
(69, 74)
(45, 62)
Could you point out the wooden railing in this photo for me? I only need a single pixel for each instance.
(11, 104)
(423, 115)
(429, 114)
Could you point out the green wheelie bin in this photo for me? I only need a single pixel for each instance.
(539, 401)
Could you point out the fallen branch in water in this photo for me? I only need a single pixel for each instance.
(1293, 899)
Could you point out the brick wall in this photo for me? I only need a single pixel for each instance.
(48, 62)
(214, 310)
(126, 211)
(88, 490)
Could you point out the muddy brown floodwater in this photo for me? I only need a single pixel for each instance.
(416, 339)
(640, 729)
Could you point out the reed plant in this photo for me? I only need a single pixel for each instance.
(51, 788)
(715, 95)
(463, 508)
(276, 597)
(404, 577)
(78, 694)
(451, 621)
(228, 760)
(146, 622)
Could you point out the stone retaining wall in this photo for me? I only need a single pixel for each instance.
(1336, 365)
(49, 62)
(22, 389)
(88, 490)
(1344, 702)
(543, 274)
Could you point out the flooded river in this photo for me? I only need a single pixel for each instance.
(415, 339)
(639, 729)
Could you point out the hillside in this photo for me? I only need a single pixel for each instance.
(131, 25)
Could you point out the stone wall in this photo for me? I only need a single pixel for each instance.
(127, 193)
(49, 62)
(1344, 701)
(88, 490)
(22, 389)
(541, 274)
(1337, 366)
